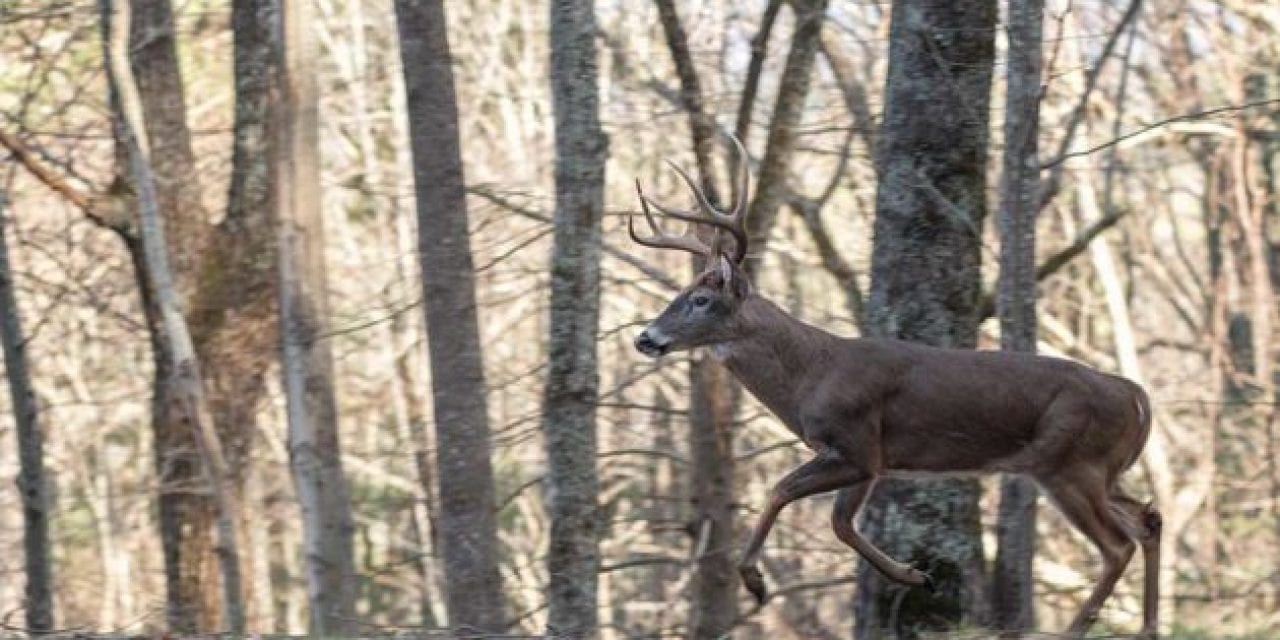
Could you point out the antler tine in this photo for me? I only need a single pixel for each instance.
(660, 239)
(731, 222)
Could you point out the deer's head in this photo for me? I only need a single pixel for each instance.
(705, 312)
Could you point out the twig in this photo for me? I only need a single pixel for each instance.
(643, 267)
(1051, 265)
(27, 159)
(1162, 123)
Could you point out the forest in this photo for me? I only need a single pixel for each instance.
(321, 317)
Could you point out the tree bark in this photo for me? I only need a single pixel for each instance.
(1011, 589)
(315, 455)
(468, 522)
(185, 393)
(31, 476)
(186, 516)
(570, 395)
(925, 287)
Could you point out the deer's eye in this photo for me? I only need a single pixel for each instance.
(701, 301)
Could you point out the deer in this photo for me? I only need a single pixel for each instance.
(871, 408)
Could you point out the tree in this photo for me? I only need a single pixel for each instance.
(468, 525)
(1016, 298)
(925, 286)
(315, 454)
(713, 604)
(31, 475)
(572, 384)
(184, 384)
(233, 307)
(186, 517)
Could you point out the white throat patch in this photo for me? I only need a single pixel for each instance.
(721, 351)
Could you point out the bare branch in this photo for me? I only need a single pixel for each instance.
(1051, 265)
(28, 160)
(1057, 162)
(533, 214)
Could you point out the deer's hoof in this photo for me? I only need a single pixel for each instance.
(753, 581)
(921, 578)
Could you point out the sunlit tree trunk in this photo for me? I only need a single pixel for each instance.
(31, 475)
(925, 287)
(1011, 588)
(315, 455)
(572, 383)
(468, 523)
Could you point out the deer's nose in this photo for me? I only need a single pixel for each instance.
(647, 344)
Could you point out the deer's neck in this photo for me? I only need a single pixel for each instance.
(776, 356)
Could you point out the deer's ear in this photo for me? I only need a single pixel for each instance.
(732, 278)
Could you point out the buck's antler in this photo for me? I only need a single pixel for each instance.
(732, 221)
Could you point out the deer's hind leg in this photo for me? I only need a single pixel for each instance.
(844, 515)
(1086, 503)
(1144, 524)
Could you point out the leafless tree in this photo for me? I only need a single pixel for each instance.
(315, 454)
(185, 385)
(186, 516)
(467, 511)
(31, 477)
(572, 383)
(1012, 581)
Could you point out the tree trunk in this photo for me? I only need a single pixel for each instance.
(31, 476)
(569, 399)
(306, 362)
(1011, 588)
(233, 306)
(793, 91)
(186, 399)
(468, 523)
(713, 605)
(925, 287)
(186, 516)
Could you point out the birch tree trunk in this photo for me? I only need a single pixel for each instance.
(570, 395)
(1011, 588)
(31, 476)
(468, 523)
(925, 287)
(185, 386)
(306, 362)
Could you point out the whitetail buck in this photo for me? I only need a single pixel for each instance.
(871, 408)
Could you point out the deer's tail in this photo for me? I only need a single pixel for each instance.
(1142, 406)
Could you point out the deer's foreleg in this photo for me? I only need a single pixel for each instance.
(826, 472)
(843, 516)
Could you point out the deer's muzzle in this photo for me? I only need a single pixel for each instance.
(652, 343)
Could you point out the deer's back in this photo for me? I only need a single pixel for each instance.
(956, 411)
